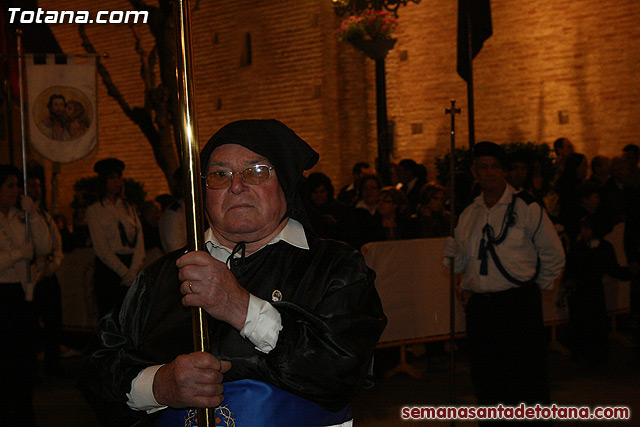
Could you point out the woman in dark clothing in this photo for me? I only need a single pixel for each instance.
(588, 260)
(434, 220)
(363, 221)
(587, 197)
(394, 215)
(574, 174)
(326, 214)
(390, 221)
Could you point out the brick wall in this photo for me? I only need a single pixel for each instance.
(581, 57)
(545, 56)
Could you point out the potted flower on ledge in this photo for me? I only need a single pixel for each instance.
(370, 32)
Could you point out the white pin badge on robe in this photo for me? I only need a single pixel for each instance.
(276, 296)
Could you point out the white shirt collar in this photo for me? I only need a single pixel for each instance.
(107, 202)
(363, 205)
(292, 233)
(505, 199)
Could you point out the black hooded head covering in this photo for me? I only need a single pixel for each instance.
(287, 152)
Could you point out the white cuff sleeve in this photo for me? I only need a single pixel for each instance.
(263, 324)
(141, 397)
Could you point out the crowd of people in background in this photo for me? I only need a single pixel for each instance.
(586, 201)
(589, 207)
(366, 211)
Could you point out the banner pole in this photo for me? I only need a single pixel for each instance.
(191, 170)
(22, 127)
(452, 201)
(23, 137)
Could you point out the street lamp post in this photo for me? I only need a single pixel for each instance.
(377, 50)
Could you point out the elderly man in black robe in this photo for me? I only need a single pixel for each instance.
(294, 319)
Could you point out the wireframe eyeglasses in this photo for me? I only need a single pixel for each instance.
(254, 175)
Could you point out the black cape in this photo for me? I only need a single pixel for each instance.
(332, 319)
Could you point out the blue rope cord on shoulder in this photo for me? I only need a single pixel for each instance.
(488, 242)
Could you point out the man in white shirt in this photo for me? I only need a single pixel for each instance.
(294, 319)
(507, 249)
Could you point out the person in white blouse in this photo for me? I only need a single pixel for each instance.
(17, 249)
(508, 250)
(117, 238)
(47, 295)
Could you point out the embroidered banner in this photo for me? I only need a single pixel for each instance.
(62, 105)
(252, 403)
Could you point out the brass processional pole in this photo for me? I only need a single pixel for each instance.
(191, 169)
(452, 284)
(23, 137)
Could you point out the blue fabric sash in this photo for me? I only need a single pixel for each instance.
(251, 403)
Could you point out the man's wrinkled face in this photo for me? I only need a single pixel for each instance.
(243, 212)
(489, 173)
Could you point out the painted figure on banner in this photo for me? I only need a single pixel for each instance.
(65, 117)
(78, 122)
(62, 99)
(53, 125)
